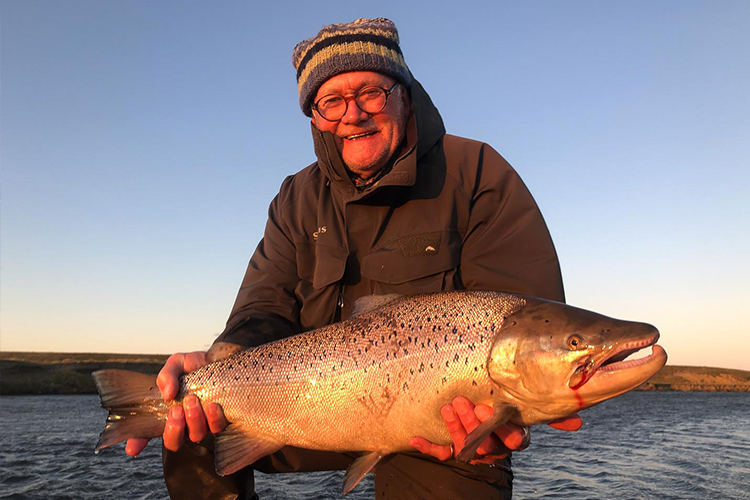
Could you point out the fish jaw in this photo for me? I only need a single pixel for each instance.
(612, 379)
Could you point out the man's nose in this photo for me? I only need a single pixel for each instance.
(353, 114)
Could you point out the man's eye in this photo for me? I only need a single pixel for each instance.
(370, 94)
(330, 102)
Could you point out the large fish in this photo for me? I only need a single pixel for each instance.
(374, 381)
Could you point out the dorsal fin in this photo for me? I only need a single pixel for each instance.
(220, 350)
(370, 303)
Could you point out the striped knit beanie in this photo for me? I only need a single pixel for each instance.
(363, 45)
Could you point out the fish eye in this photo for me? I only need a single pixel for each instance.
(575, 342)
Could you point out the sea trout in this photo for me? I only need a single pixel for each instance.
(371, 383)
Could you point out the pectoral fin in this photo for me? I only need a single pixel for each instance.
(236, 448)
(359, 469)
(500, 415)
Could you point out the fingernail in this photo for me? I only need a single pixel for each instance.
(460, 405)
(448, 413)
(176, 412)
(483, 412)
(190, 402)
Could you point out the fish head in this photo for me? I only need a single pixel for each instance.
(560, 359)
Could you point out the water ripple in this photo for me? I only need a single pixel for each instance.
(670, 446)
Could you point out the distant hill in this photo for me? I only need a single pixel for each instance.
(70, 373)
(698, 378)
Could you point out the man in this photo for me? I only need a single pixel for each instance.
(392, 205)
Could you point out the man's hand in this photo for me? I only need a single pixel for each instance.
(462, 417)
(190, 419)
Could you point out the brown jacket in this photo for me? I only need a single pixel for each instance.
(450, 214)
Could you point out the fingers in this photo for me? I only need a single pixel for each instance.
(174, 430)
(195, 419)
(168, 378)
(135, 446)
(439, 451)
(571, 423)
(217, 422)
(177, 365)
(511, 435)
(465, 410)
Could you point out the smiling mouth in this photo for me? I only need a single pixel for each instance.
(359, 136)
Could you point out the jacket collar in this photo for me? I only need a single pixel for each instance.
(423, 131)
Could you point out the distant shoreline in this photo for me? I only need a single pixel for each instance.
(26, 373)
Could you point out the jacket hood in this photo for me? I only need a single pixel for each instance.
(423, 131)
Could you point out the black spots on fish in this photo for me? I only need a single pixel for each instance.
(492, 392)
(455, 329)
(444, 380)
(236, 377)
(481, 339)
(287, 378)
(492, 328)
(406, 351)
(405, 387)
(428, 341)
(270, 369)
(447, 364)
(432, 365)
(474, 382)
(446, 338)
(295, 368)
(421, 367)
(411, 371)
(456, 358)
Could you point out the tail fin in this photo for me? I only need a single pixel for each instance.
(136, 409)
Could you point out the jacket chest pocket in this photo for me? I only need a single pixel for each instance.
(420, 263)
(320, 265)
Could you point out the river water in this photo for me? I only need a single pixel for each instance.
(643, 445)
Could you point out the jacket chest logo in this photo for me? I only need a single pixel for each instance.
(321, 230)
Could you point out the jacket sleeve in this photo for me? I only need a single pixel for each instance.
(266, 308)
(507, 246)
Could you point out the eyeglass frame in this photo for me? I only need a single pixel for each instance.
(386, 91)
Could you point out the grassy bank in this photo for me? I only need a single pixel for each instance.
(65, 373)
(70, 373)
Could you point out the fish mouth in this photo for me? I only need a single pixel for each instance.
(616, 359)
(616, 372)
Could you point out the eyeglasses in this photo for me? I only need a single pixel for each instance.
(371, 100)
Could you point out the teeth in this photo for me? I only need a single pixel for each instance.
(357, 136)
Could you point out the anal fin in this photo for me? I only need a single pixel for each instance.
(500, 415)
(235, 448)
(359, 469)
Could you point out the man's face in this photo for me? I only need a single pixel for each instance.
(366, 142)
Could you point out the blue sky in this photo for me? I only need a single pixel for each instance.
(141, 143)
